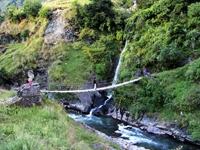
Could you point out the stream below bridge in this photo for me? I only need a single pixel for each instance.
(116, 128)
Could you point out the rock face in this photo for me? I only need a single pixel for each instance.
(154, 125)
(58, 30)
(4, 39)
(28, 95)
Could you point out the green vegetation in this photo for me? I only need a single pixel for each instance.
(4, 77)
(99, 15)
(4, 95)
(32, 7)
(18, 3)
(1, 18)
(160, 33)
(43, 128)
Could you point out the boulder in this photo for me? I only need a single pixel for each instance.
(28, 95)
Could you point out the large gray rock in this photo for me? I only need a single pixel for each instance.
(59, 29)
(28, 95)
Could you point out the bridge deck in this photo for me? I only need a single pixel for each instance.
(93, 90)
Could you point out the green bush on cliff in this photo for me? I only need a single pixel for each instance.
(15, 14)
(44, 12)
(25, 34)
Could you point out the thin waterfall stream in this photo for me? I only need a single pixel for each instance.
(116, 128)
(113, 83)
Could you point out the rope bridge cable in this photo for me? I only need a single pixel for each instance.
(93, 90)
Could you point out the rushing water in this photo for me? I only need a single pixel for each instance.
(118, 65)
(116, 128)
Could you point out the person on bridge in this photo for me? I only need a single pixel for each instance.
(144, 71)
(95, 83)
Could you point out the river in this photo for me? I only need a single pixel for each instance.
(116, 128)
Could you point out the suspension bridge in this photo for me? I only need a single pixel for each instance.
(93, 90)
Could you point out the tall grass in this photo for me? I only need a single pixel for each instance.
(42, 128)
(5, 94)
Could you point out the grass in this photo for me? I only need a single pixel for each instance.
(21, 56)
(75, 67)
(46, 127)
(5, 94)
(62, 3)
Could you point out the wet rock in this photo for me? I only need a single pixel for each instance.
(118, 141)
(154, 130)
(4, 50)
(5, 38)
(154, 125)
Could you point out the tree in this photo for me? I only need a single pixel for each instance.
(15, 14)
(96, 15)
(32, 7)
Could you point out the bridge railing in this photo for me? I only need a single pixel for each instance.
(75, 86)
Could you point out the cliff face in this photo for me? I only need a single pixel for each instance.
(59, 29)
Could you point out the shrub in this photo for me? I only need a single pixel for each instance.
(14, 14)
(3, 76)
(1, 19)
(170, 55)
(194, 10)
(32, 7)
(44, 12)
(25, 34)
(96, 15)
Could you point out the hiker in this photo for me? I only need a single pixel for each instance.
(144, 71)
(30, 77)
(95, 83)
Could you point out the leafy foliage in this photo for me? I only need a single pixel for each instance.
(98, 15)
(1, 18)
(44, 12)
(14, 14)
(4, 77)
(25, 34)
(102, 53)
(32, 7)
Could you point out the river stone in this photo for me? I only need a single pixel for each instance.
(118, 141)
(155, 130)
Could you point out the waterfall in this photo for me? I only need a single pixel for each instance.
(118, 66)
(113, 83)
